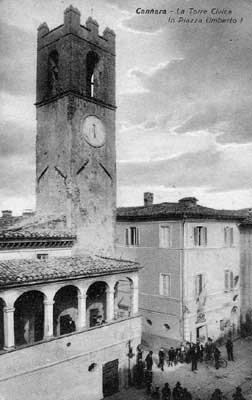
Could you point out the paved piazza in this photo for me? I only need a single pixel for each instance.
(202, 382)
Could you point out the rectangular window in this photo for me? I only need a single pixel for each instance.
(42, 256)
(198, 284)
(228, 280)
(132, 236)
(228, 236)
(164, 236)
(200, 235)
(165, 285)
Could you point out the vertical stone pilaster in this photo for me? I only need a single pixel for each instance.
(81, 322)
(134, 299)
(48, 319)
(109, 305)
(9, 338)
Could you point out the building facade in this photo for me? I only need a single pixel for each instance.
(68, 308)
(246, 273)
(190, 284)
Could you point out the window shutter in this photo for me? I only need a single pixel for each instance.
(226, 280)
(161, 284)
(195, 233)
(200, 284)
(231, 280)
(137, 236)
(127, 236)
(195, 287)
(231, 236)
(205, 235)
(225, 235)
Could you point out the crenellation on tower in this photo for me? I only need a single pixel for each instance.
(93, 26)
(62, 57)
(72, 25)
(42, 30)
(109, 34)
(72, 20)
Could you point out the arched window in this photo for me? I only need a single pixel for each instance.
(91, 64)
(53, 71)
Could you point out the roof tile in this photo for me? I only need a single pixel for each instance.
(176, 210)
(12, 272)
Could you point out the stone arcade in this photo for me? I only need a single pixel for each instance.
(68, 307)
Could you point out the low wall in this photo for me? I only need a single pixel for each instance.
(58, 369)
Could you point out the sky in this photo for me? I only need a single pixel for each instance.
(184, 98)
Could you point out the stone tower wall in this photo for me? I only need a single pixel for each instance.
(74, 178)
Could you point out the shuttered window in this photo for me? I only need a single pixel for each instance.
(228, 236)
(164, 236)
(200, 235)
(132, 236)
(165, 285)
(228, 280)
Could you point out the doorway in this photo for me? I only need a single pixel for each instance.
(110, 378)
(201, 333)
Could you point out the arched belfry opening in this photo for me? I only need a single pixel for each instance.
(29, 318)
(53, 71)
(65, 310)
(96, 304)
(91, 68)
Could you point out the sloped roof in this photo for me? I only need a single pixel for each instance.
(21, 272)
(6, 223)
(35, 228)
(43, 234)
(247, 221)
(176, 211)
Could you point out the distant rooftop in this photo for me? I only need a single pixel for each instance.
(185, 208)
(29, 231)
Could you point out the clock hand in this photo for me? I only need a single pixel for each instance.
(94, 131)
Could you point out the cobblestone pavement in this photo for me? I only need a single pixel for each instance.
(202, 383)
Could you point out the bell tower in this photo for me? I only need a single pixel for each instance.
(75, 143)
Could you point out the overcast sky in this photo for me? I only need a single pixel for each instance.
(184, 97)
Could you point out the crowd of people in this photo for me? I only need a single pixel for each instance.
(194, 353)
(182, 393)
(188, 353)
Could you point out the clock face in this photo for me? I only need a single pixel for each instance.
(94, 131)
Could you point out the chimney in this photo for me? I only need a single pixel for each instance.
(27, 213)
(148, 199)
(6, 214)
(188, 201)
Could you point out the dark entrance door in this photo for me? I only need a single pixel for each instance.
(110, 378)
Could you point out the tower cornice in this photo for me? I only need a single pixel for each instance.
(76, 94)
